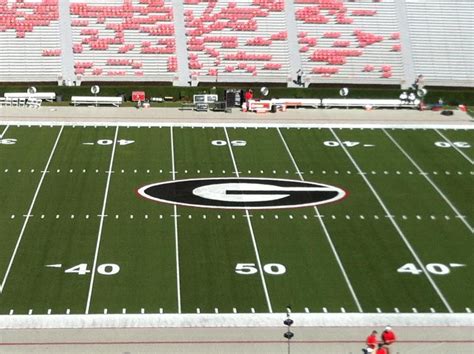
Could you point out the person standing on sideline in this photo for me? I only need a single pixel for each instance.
(371, 342)
(388, 337)
(381, 349)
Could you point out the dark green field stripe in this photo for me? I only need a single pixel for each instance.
(141, 240)
(313, 278)
(369, 246)
(210, 248)
(18, 184)
(435, 239)
(67, 240)
(446, 162)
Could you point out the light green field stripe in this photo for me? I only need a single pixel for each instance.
(18, 183)
(138, 233)
(359, 228)
(212, 242)
(422, 213)
(443, 166)
(66, 240)
(312, 278)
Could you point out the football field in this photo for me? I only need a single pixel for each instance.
(322, 219)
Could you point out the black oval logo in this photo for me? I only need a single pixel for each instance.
(242, 193)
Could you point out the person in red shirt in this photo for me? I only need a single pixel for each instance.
(381, 350)
(248, 95)
(388, 337)
(371, 342)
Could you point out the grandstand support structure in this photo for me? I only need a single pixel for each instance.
(183, 74)
(65, 32)
(293, 49)
(408, 67)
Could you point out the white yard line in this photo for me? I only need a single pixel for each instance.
(395, 224)
(455, 147)
(326, 232)
(28, 215)
(101, 224)
(176, 238)
(424, 174)
(4, 131)
(252, 234)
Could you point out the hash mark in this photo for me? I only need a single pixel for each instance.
(161, 310)
(397, 310)
(252, 310)
(198, 310)
(432, 310)
(234, 310)
(414, 310)
(11, 312)
(216, 310)
(306, 310)
(68, 311)
(124, 310)
(142, 310)
(105, 311)
(49, 312)
(379, 310)
(468, 310)
(343, 310)
(325, 310)
(30, 312)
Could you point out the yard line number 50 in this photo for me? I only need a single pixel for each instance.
(269, 268)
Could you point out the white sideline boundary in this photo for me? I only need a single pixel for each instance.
(355, 125)
(233, 320)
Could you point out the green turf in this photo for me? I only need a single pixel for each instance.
(340, 255)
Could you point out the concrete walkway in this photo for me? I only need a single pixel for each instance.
(433, 340)
(290, 117)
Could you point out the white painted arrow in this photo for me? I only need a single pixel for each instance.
(456, 265)
(53, 265)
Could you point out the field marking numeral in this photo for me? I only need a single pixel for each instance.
(104, 269)
(233, 143)
(8, 141)
(332, 143)
(119, 142)
(250, 268)
(433, 268)
(458, 144)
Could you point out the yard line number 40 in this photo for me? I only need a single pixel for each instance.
(103, 269)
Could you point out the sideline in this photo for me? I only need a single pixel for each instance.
(233, 320)
(134, 123)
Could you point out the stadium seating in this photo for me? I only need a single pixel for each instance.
(442, 42)
(123, 40)
(331, 41)
(340, 40)
(29, 37)
(243, 40)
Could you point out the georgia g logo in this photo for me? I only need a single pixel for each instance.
(242, 193)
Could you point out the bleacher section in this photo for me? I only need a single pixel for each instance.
(442, 40)
(29, 40)
(123, 40)
(244, 40)
(349, 41)
(331, 41)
